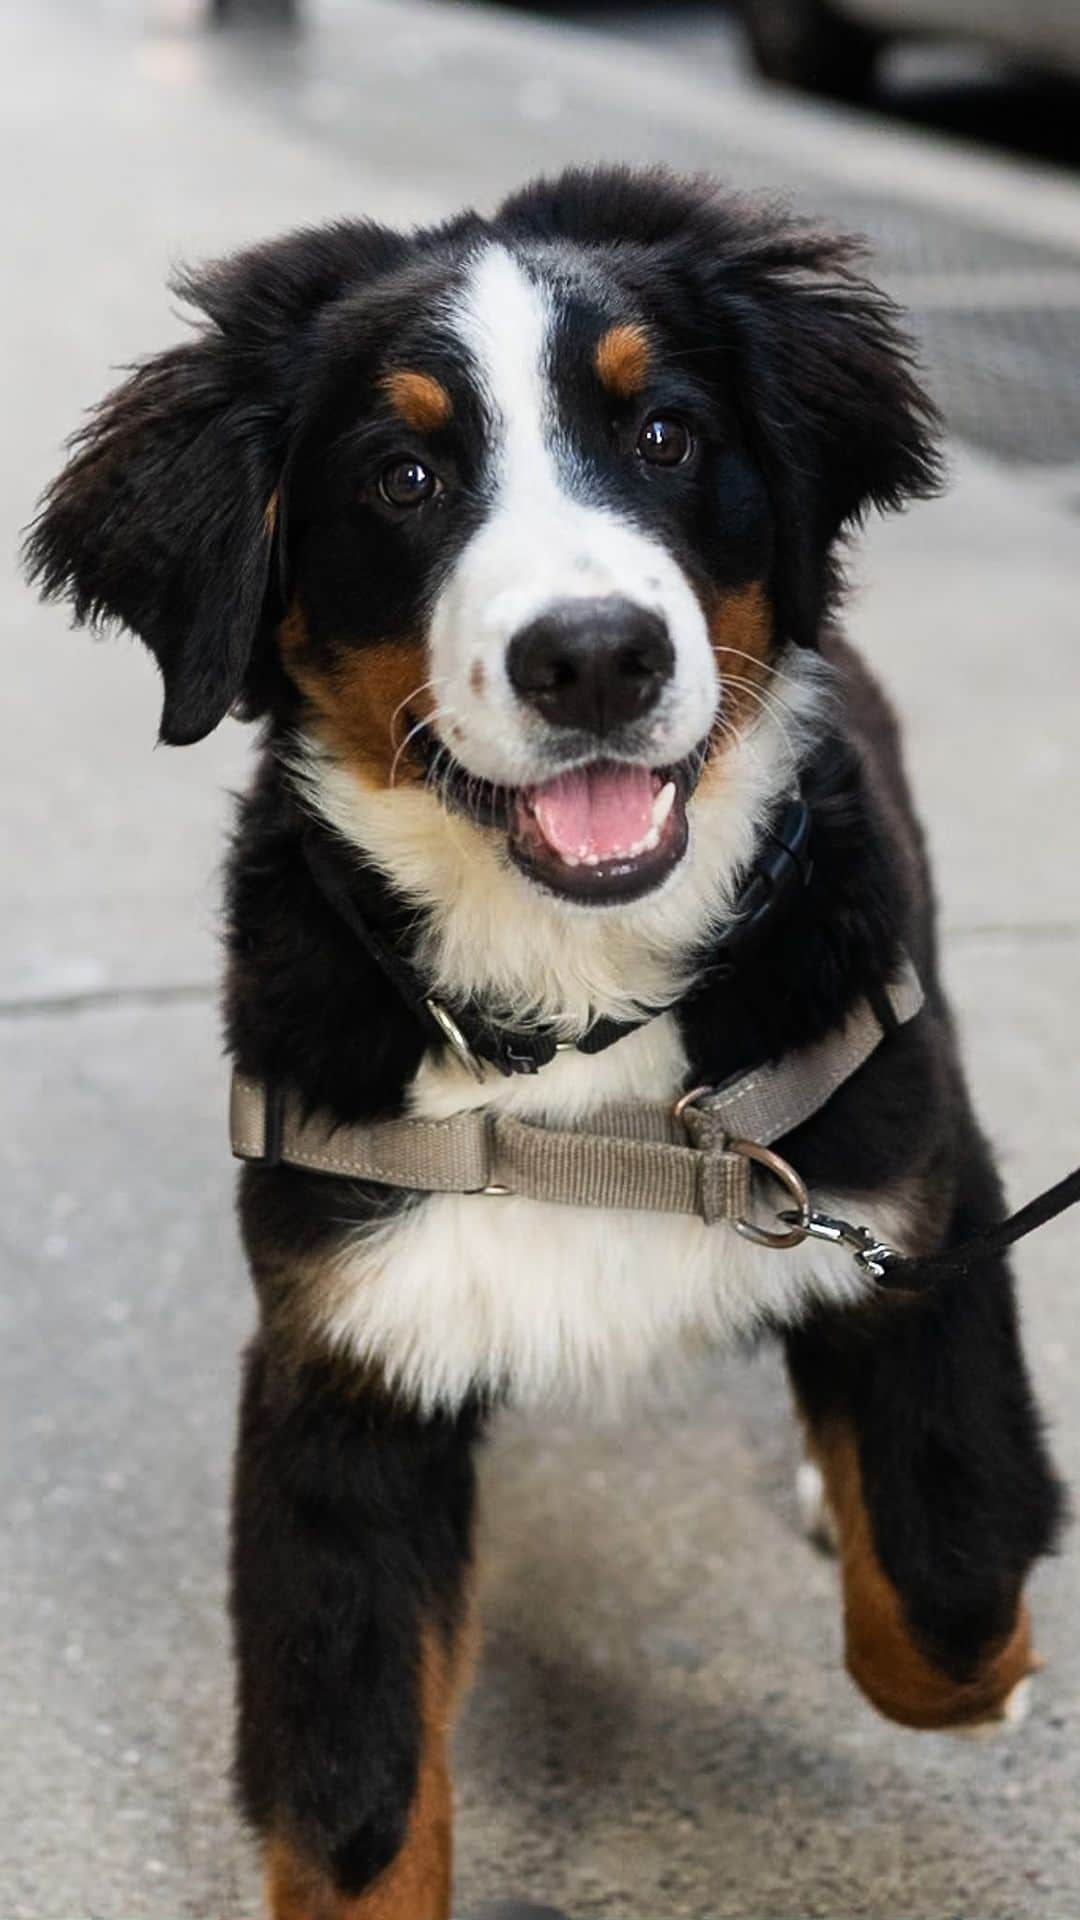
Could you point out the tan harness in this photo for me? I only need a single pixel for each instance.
(691, 1158)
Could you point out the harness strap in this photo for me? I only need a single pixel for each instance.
(634, 1156)
(772, 1100)
(640, 1155)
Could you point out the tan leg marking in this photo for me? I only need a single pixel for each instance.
(364, 700)
(417, 1883)
(882, 1656)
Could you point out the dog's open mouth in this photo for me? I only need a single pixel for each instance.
(607, 832)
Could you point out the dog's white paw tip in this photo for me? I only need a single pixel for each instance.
(1018, 1704)
(817, 1521)
(1013, 1713)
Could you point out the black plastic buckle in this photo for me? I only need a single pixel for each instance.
(525, 1053)
(520, 1062)
(783, 866)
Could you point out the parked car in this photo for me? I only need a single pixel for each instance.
(832, 46)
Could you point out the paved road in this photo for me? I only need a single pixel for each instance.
(661, 1724)
(709, 36)
(953, 89)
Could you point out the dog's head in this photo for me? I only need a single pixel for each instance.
(518, 512)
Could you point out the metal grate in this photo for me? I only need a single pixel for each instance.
(1007, 379)
(997, 319)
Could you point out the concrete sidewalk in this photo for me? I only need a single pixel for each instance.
(661, 1725)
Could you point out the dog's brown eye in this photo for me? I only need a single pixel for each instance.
(407, 483)
(665, 442)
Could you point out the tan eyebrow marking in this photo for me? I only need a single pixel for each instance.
(422, 403)
(622, 359)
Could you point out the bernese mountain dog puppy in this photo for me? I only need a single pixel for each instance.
(520, 538)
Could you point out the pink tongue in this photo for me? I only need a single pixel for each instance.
(596, 810)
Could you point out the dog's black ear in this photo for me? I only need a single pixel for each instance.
(829, 396)
(163, 520)
(165, 517)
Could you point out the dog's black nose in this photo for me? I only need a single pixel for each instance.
(591, 664)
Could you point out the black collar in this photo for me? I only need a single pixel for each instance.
(781, 869)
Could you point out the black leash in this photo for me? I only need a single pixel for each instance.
(915, 1275)
(896, 1272)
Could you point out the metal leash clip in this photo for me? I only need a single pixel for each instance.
(872, 1255)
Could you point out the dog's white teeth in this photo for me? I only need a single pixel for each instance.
(571, 860)
(662, 806)
(592, 859)
(647, 844)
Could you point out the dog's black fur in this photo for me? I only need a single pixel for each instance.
(353, 1511)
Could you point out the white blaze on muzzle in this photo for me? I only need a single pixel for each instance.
(543, 544)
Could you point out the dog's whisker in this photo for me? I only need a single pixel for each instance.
(432, 775)
(772, 709)
(733, 738)
(777, 671)
(419, 726)
(414, 694)
(443, 712)
(411, 735)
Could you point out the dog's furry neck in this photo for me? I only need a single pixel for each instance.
(489, 935)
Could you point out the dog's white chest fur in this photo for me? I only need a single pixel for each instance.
(528, 1299)
(545, 1303)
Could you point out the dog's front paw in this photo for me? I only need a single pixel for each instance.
(815, 1513)
(1010, 1715)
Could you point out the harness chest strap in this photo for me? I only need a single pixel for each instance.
(640, 1155)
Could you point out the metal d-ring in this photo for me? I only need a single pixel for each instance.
(787, 1176)
(458, 1044)
(687, 1099)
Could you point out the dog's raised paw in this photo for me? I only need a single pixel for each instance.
(1012, 1714)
